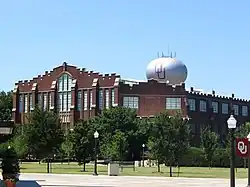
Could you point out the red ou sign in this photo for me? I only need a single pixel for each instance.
(242, 147)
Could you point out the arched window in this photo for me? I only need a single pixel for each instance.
(64, 93)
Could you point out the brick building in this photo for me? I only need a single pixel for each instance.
(79, 94)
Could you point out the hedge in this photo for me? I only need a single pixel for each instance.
(195, 158)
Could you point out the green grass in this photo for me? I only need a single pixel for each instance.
(192, 172)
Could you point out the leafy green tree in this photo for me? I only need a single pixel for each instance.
(170, 138)
(244, 130)
(122, 123)
(82, 139)
(20, 141)
(67, 147)
(182, 138)
(115, 147)
(157, 141)
(44, 133)
(5, 106)
(209, 142)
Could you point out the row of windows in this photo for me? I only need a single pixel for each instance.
(88, 97)
(133, 102)
(215, 107)
(44, 100)
(64, 100)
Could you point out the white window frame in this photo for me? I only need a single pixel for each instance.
(113, 97)
(131, 102)
(236, 109)
(244, 110)
(203, 106)
(215, 106)
(107, 98)
(191, 104)
(85, 100)
(173, 103)
(25, 103)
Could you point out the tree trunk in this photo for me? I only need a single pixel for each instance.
(84, 167)
(179, 171)
(158, 166)
(170, 171)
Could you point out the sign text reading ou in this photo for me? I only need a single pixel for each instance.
(242, 147)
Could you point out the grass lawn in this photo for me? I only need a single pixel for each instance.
(73, 168)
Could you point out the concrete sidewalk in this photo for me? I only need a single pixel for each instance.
(71, 180)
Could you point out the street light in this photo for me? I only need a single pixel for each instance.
(143, 147)
(231, 122)
(96, 135)
(248, 185)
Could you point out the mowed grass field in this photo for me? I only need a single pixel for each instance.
(191, 172)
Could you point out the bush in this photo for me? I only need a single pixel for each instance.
(195, 158)
(10, 164)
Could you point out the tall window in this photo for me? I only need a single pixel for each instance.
(85, 100)
(107, 98)
(191, 103)
(90, 99)
(50, 100)
(244, 110)
(45, 101)
(236, 109)
(100, 99)
(203, 106)
(31, 101)
(26, 103)
(215, 106)
(173, 103)
(79, 100)
(64, 92)
(131, 102)
(224, 108)
(40, 100)
(20, 103)
(113, 97)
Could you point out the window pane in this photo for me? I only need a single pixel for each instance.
(20, 103)
(31, 101)
(69, 101)
(107, 98)
(113, 97)
(173, 103)
(85, 100)
(26, 103)
(79, 100)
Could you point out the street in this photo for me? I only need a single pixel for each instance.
(71, 180)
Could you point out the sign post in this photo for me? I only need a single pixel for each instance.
(242, 147)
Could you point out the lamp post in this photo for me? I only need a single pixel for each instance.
(231, 122)
(96, 135)
(143, 147)
(248, 183)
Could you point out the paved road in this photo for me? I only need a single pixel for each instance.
(66, 180)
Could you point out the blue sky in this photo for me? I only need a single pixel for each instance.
(212, 37)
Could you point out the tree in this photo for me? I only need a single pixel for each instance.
(82, 142)
(19, 141)
(44, 133)
(244, 130)
(209, 142)
(170, 138)
(121, 123)
(67, 146)
(5, 106)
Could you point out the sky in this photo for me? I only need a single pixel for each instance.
(212, 37)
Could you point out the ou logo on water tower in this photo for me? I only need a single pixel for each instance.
(242, 147)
